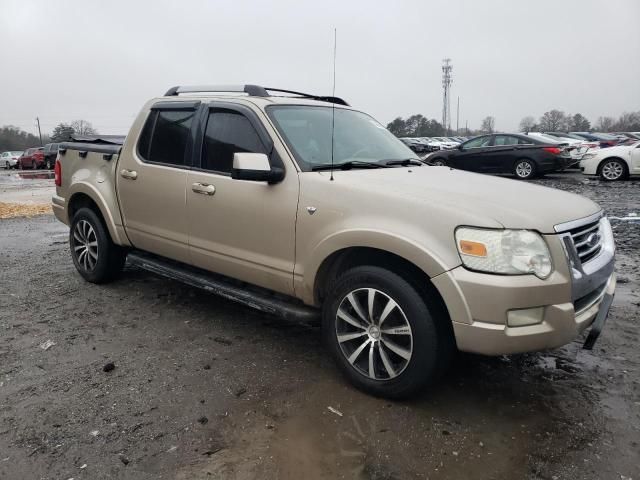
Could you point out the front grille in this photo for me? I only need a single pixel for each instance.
(587, 239)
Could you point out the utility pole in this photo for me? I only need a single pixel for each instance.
(458, 117)
(446, 85)
(39, 132)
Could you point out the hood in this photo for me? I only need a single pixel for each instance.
(489, 199)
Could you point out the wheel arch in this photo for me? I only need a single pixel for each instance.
(85, 195)
(625, 165)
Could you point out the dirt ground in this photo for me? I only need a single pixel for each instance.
(203, 388)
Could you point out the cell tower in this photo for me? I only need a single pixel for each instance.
(447, 79)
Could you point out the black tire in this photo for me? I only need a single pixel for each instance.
(524, 169)
(109, 258)
(612, 169)
(438, 161)
(431, 342)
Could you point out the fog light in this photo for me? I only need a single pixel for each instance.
(524, 317)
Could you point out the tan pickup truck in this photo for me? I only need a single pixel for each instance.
(301, 206)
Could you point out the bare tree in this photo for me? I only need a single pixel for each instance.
(488, 124)
(605, 124)
(82, 127)
(553, 121)
(528, 124)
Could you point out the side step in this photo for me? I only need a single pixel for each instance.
(251, 296)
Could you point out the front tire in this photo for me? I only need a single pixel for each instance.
(612, 170)
(524, 169)
(439, 162)
(94, 254)
(386, 338)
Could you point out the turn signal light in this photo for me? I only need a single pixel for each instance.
(476, 249)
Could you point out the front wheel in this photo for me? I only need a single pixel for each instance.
(385, 337)
(612, 170)
(94, 255)
(524, 169)
(439, 162)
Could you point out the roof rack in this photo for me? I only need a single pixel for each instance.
(251, 90)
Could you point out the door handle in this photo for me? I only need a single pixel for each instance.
(128, 174)
(203, 188)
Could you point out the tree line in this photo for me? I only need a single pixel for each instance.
(551, 121)
(558, 121)
(15, 139)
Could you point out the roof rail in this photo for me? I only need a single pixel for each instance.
(251, 90)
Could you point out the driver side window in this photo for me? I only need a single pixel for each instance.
(477, 143)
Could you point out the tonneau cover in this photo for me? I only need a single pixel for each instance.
(102, 139)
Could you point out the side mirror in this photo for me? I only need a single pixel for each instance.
(460, 147)
(255, 167)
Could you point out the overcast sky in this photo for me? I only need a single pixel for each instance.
(100, 61)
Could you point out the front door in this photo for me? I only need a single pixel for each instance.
(151, 181)
(470, 155)
(238, 228)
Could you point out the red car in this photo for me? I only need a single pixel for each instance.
(32, 158)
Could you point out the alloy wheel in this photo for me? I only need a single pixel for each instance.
(524, 169)
(612, 170)
(374, 334)
(85, 245)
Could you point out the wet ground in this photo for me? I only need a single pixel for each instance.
(203, 388)
(26, 186)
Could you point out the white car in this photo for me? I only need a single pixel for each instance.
(445, 142)
(577, 149)
(9, 159)
(613, 163)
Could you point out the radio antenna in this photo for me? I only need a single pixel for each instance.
(333, 104)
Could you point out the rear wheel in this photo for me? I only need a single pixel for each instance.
(385, 337)
(94, 255)
(612, 170)
(48, 164)
(524, 169)
(34, 165)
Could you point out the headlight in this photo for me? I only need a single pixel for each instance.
(508, 252)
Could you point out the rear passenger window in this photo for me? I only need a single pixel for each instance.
(505, 140)
(165, 135)
(228, 132)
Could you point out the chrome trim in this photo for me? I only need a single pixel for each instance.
(563, 227)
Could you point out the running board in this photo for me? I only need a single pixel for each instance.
(254, 297)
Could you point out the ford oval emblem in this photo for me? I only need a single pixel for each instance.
(593, 240)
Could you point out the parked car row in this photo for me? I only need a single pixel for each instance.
(431, 144)
(35, 157)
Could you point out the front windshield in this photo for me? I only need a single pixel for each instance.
(357, 137)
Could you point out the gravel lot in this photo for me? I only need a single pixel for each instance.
(203, 388)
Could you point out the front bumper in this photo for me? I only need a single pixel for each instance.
(560, 325)
(565, 304)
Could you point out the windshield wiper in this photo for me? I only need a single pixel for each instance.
(405, 162)
(348, 165)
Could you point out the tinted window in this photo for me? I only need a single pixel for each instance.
(165, 135)
(506, 140)
(228, 132)
(478, 142)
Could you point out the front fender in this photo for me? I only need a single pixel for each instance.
(424, 258)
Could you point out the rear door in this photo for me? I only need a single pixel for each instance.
(238, 228)
(505, 151)
(151, 180)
